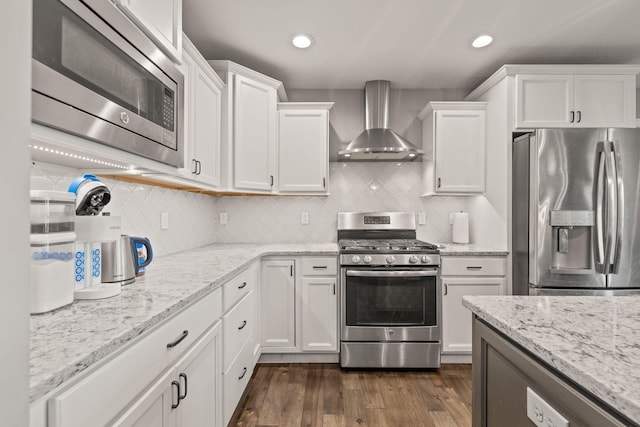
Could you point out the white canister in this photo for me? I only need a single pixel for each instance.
(52, 268)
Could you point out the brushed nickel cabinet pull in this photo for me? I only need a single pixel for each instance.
(244, 323)
(177, 385)
(244, 284)
(184, 377)
(471, 267)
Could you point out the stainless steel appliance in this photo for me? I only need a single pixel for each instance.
(390, 299)
(576, 212)
(95, 74)
(120, 259)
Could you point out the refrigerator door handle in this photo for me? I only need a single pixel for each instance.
(598, 223)
(619, 206)
(603, 222)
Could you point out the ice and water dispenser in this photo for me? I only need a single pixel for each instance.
(572, 241)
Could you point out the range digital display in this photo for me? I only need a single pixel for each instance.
(377, 220)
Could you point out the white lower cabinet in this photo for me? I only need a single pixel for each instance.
(135, 386)
(187, 394)
(462, 276)
(241, 348)
(277, 305)
(299, 305)
(319, 304)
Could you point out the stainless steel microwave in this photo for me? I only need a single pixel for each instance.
(96, 75)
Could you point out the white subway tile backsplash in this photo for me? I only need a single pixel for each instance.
(353, 187)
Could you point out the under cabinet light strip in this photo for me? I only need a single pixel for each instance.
(76, 156)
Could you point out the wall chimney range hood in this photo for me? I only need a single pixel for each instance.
(378, 143)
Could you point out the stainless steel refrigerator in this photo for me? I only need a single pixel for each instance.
(576, 212)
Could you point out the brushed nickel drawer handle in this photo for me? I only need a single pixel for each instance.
(320, 267)
(243, 325)
(178, 340)
(244, 284)
(474, 268)
(244, 372)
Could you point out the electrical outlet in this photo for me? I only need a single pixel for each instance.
(304, 218)
(543, 414)
(451, 218)
(223, 218)
(164, 220)
(422, 218)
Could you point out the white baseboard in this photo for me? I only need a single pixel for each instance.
(299, 358)
(455, 358)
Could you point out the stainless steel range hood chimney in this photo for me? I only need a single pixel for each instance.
(379, 143)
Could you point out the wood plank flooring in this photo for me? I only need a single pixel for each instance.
(290, 395)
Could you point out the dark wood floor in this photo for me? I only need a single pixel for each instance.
(290, 395)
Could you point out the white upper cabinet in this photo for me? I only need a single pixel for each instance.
(454, 138)
(580, 100)
(303, 147)
(202, 109)
(159, 19)
(249, 128)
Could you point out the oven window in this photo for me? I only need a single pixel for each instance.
(390, 301)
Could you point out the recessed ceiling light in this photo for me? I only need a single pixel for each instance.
(482, 41)
(302, 41)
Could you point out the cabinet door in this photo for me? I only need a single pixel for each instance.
(159, 19)
(456, 319)
(278, 304)
(303, 150)
(459, 151)
(254, 148)
(319, 314)
(199, 374)
(544, 100)
(205, 127)
(153, 407)
(605, 100)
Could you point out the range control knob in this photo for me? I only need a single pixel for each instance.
(413, 259)
(425, 259)
(355, 259)
(367, 259)
(390, 259)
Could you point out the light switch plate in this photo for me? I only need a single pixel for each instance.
(543, 414)
(304, 218)
(223, 218)
(164, 220)
(422, 218)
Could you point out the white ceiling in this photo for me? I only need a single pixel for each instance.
(415, 44)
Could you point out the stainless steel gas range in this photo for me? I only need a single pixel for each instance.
(390, 298)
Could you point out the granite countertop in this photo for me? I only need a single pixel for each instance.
(594, 341)
(67, 341)
(469, 249)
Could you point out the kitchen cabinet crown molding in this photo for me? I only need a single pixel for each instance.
(451, 105)
(204, 65)
(223, 65)
(513, 69)
(305, 105)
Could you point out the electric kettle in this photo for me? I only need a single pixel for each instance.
(120, 259)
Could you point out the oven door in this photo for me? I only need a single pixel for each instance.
(390, 304)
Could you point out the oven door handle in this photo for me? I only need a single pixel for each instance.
(403, 273)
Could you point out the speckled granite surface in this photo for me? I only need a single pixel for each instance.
(470, 249)
(68, 340)
(594, 341)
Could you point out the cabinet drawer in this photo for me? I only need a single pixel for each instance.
(473, 266)
(235, 380)
(319, 266)
(100, 395)
(239, 325)
(239, 286)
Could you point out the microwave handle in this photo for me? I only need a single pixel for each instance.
(397, 273)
